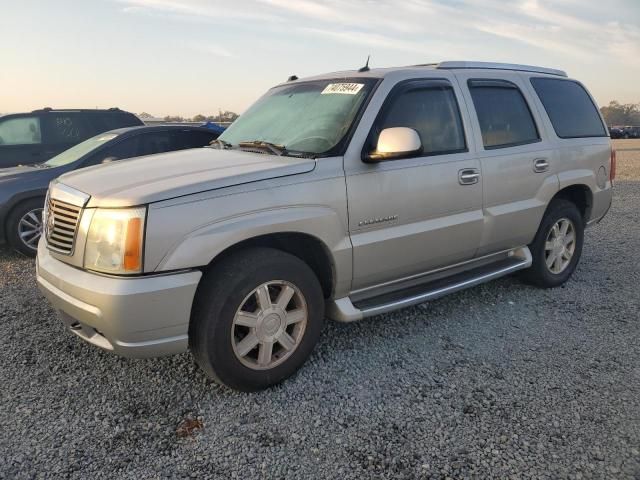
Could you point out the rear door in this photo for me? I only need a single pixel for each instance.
(21, 141)
(518, 164)
(411, 215)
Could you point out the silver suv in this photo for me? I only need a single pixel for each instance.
(348, 195)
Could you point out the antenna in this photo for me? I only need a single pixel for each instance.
(366, 65)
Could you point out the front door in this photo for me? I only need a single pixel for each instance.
(411, 215)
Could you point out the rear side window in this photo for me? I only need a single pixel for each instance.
(20, 131)
(66, 127)
(504, 116)
(433, 112)
(570, 109)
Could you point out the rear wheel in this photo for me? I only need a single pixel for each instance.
(256, 318)
(24, 226)
(557, 246)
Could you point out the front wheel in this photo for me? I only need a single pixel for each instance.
(557, 246)
(257, 316)
(24, 226)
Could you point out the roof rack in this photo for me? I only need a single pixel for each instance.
(501, 66)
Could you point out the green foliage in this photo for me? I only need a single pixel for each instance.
(619, 115)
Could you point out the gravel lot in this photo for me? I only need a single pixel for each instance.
(501, 380)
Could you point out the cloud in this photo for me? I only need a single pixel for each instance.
(210, 49)
(438, 28)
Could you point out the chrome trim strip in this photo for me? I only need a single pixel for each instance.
(64, 193)
(501, 66)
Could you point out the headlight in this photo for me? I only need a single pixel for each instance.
(114, 242)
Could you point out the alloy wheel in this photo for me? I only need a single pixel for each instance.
(30, 228)
(560, 245)
(269, 325)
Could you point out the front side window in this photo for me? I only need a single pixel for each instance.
(503, 114)
(20, 131)
(433, 112)
(311, 117)
(570, 109)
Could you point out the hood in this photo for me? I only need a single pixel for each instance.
(22, 171)
(19, 180)
(169, 175)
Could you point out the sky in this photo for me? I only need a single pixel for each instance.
(184, 57)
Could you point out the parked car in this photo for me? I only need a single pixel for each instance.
(28, 138)
(616, 132)
(631, 132)
(23, 189)
(351, 193)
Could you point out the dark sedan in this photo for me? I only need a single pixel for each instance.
(23, 189)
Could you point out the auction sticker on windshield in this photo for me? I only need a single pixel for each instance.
(343, 88)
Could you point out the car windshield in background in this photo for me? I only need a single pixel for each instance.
(80, 150)
(310, 117)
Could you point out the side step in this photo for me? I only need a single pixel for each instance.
(345, 311)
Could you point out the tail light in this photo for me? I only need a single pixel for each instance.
(612, 165)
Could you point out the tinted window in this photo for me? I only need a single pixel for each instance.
(156, 142)
(20, 131)
(193, 139)
(570, 109)
(504, 116)
(127, 148)
(66, 127)
(433, 113)
(104, 121)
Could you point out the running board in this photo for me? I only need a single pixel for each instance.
(343, 310)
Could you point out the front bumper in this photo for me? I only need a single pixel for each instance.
(134, 317)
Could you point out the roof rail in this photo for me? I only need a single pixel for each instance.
(501, 66)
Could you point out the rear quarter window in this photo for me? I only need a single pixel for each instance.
(569, 107)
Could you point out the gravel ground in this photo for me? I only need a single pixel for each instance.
(503, 380)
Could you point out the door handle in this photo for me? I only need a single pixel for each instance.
(540, 165)
(468, 176)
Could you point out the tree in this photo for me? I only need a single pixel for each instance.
(174, 118)
(618, 114)
(199, 118)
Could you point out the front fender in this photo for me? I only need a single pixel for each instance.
(192, 234)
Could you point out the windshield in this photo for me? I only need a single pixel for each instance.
(81, 149)
(310, 117)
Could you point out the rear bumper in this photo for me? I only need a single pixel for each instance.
(133, 317)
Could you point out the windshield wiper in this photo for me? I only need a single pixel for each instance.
(221, 143)
(272, 147)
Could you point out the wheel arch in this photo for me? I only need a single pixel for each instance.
(15, 203)
(308, 248)
(580, 195)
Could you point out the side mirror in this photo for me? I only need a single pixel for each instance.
(108, 159)
(395, 142)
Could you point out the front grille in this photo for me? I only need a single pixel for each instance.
(61, 225)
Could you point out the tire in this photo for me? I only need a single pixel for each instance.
(226, 295)
(558, 213)
(24, 218)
